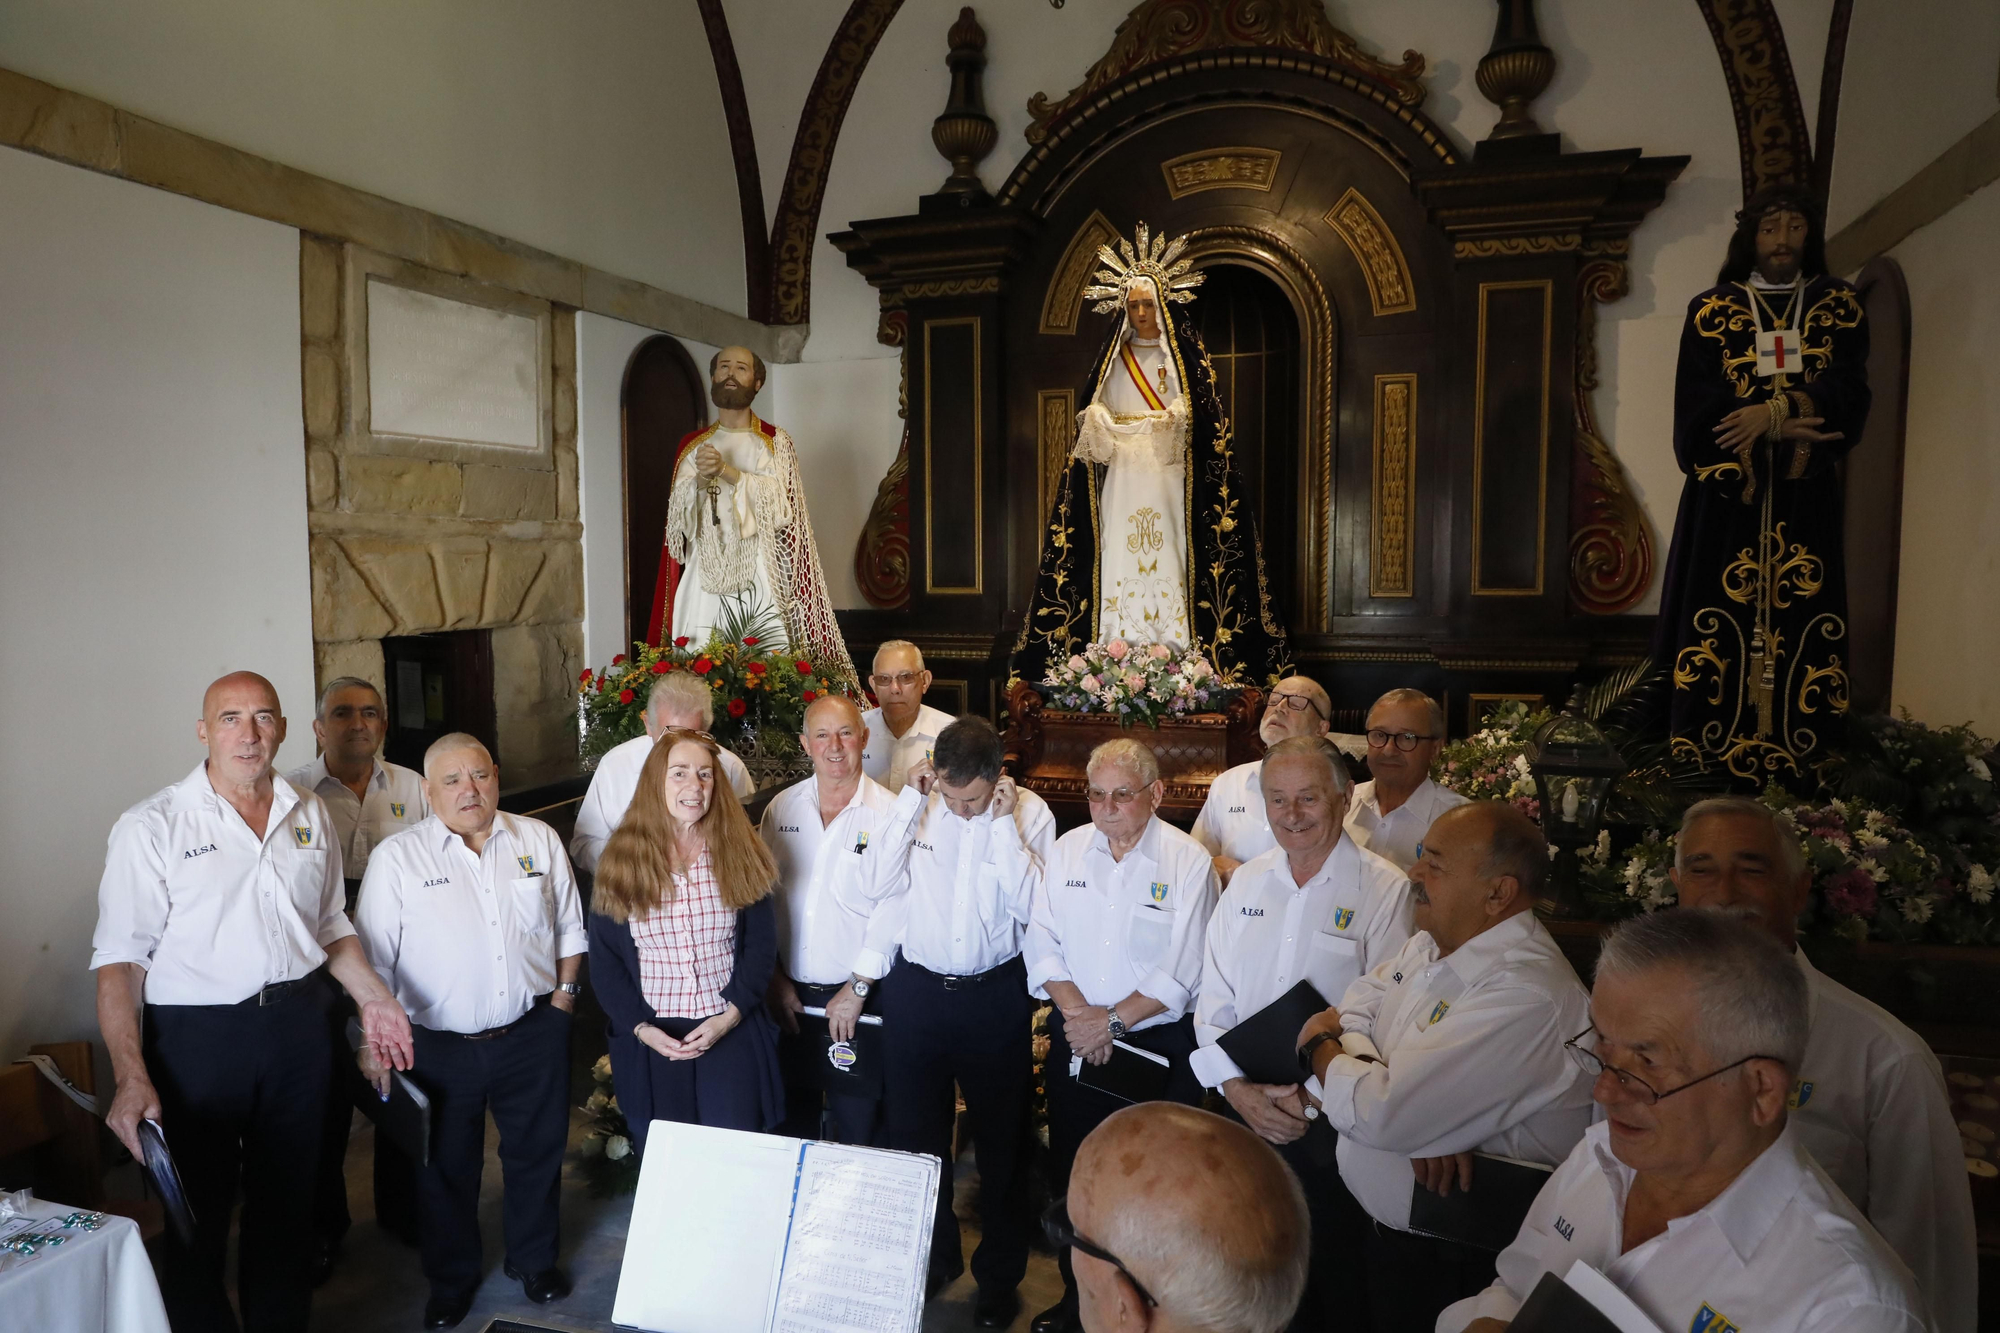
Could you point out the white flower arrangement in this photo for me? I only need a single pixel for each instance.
(1133, 682)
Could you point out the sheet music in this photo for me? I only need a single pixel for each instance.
(860, 1242)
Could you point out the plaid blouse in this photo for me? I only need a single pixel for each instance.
(687, 949)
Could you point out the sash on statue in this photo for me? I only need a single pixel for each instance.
(1146, 390)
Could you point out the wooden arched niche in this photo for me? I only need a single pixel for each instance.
(1302, 172)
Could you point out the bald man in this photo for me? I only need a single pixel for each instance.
(1179, 1221)
(1232, 824)
(221, 901)
(832, 836)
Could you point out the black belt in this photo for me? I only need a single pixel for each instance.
(277, 992)
(491, 1033)
(1013, 966)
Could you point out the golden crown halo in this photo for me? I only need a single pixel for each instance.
(1144, 256)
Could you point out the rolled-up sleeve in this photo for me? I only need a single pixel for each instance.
(132, 894)
(1215, 1006)
(571, 937)
(1042, 944)
(333, 925)
(378, 913)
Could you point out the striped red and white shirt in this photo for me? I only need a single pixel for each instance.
(687, 948)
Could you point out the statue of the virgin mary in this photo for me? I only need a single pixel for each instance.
(1149, 539)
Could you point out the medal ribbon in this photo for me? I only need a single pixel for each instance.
(1146, 390)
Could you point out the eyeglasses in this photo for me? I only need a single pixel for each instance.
(1298, 703)
(1099, 796)
(901, 681)
(1406, 741)
(674, 735)
(1063, 1235)
(1592, 1064)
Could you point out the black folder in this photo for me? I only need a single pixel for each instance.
(1556, 1307)
(1488, 1216)
(1130, 1074)
(853, 1071)
(1265, 1046)
(405, 1119)
(167, 1180)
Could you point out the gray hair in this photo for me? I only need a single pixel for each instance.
(1791, 856)
(1201, 1283)
(336, 685)
(1127, 754)
(679, 687)
(1749, 996)
(1310, 746)
(457, 740)
(896, 645)
(1409, 696)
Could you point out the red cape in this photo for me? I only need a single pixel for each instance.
(670, 568)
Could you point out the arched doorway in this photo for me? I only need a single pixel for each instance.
(1252, 337)
(664, 398)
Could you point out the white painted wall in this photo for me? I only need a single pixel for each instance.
(590, 128)
(1947, 614)
(152, 532)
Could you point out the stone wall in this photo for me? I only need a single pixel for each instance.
(413, 537)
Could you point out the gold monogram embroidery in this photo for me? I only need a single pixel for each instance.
(1146, 535)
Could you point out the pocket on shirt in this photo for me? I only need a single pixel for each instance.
(305, 878)
(1148, 935)
(534, 904)
(1332, 963)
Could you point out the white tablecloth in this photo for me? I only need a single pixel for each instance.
(98, 1282)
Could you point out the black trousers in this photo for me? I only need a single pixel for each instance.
(973, 1032)
(243, 1102)
(1412, 1278)
(523, 1075)
(330, 1216)
(810, 1113)
(1075, 1110)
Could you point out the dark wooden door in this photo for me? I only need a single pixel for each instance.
(665, 398)
(438, 684)
(1873, 474)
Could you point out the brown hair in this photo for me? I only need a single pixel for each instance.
(636, 873)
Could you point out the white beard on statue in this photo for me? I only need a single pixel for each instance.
(1142, 579)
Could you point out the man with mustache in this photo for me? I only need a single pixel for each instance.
(1770, 394)
(739, 543)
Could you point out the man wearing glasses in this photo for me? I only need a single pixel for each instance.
(1114, 940)
(1869, 1101)
(1392, 811)
(902, 729)
(1452, 1045)
(1693, 1196)
(1211, 1227)
(1232, 825)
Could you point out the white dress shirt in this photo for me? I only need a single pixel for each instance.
(1870, 1106)
(1472, 1054)
(613, 786)
(888, 758)
(960, 905)
(1395, 836)
(395, 801)
(1270, 933)
(831, 878)
(1232, 822)
(1781, 1250)
(212, 910)
(1114, 927)
(467, 942)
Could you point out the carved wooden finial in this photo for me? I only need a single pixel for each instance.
(965, 133)
(1515, 71)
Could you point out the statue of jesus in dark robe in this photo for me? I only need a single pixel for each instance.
(1771, 392)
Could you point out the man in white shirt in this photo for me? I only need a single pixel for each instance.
(1391, 811)
(220, 901)
(1693, 1197)
(955, 1006)
(1869, 1100)
(473, 919)
(677, 700)
(1314, 908)
(1114, 940)
(368, 800)
(902, 728)
(834, 836)
(1232, 824)
(1453, 1045)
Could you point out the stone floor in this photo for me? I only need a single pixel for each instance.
(379, 1286)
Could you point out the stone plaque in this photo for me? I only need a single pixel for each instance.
(447, 370)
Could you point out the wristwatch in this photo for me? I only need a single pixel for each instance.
(861, 985)
(1115, 1023)
(570, 988)
(1306, 1051)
